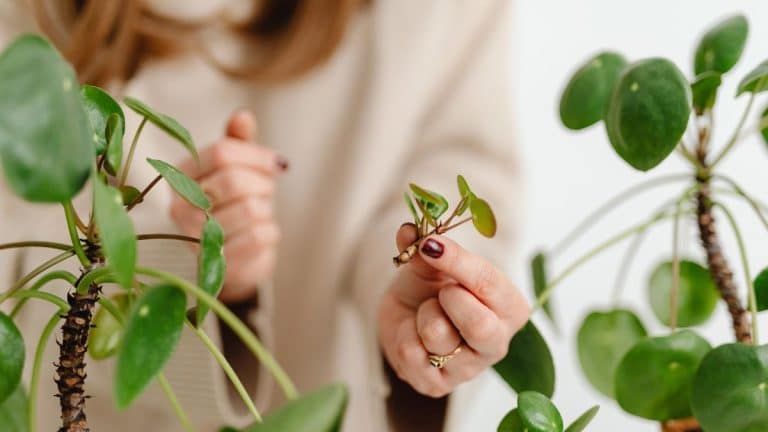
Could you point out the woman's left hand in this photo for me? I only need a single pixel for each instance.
(445, 298)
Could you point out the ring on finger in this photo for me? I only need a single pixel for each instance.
(439, 361)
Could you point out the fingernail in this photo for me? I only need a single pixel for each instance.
(282, 163)
(432, 248)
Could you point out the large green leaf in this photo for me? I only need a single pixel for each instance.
(483, 217)
(539, 277)
(166, 123)
(45, 138)
(584, 100)
(603, 339)
(511, 422)
(730, 389)
(528, 364)
(114, 133)
(319, 411)
(697, 294)
(654, 378)
(151, 334)
(118, 238)
(13, 412)
(704, 90)
(99, 105)
(212, 266)
(435, 203)
(11, 356)
(648, 112)
(721, 46)
(756, 81)
(761, 290)
(107, 331)
(183, 185)
(583, 421)
(538, 413)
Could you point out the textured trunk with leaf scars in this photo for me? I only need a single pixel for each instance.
(681, 425)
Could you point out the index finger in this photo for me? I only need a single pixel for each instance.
(233, 152)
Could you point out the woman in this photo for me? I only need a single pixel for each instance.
(357, 98)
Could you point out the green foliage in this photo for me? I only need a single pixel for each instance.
(318, 411)
(697, 294)
(483, 217)
(585, 98)
(538, 413)
(756, 81)
(721, 46)
(654, 378)
(130, 194)
(704, 90)
(13, 412)
(602, 341)
(165, 123)
(730, 389)
(528, 365)
(45, 137)
(539, 276)
(116, 231)
(583, 421)
(11, 357)
(114, 132)
(465, 193)
(212, 265)
(99, 106)
(411, 207)
(764, 121)
(150, 337)
(511, 422)
(435, 203)
(107, 330)
(761, 290)
(183, 185)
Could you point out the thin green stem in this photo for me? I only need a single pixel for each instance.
(41, 244)
(143, 193)
(227, 368)
(92, 277)
(683, 150)
(174, 401)
(48, 277)
(35, 379)
(736, 133)
(237, 326)
(42, 295)
(441, 229)
(618, 199)
(110, 306)
(745, 265)
(167, 237)
(129, 160)
(756, 206)
(21, 283)
(69, 212)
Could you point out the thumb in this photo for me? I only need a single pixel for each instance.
(242, 126)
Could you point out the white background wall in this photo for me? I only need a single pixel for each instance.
(569, 174)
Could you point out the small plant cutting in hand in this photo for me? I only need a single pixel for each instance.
(55, 137)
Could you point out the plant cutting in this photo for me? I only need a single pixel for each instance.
(56, 137)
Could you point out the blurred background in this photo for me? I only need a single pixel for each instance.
(569, 174)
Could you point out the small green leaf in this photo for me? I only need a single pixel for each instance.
(528, 364)
(511, 422)
(107, 330)
(150, 337)
(434, 203)
(482, 217)
(721, 46)
(585, 98)
(583, 421)
(756, 80)
(764, 129)
(11, 357)
(697, 295)
(539, 276)
(212, 266)
(114, 132)
(13, 412)
(730, 389)
(118, 238)
(704, 90)
(411, 207)
(99, 106)
(465, 193)
(648, 112)
(761, 290)
(602, 341)
(165, 123)
(538, 413)
(318, 411)
(45, 138)
(653, 380)
(130, 194)
(183, 185)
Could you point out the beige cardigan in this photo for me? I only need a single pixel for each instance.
(419, 91)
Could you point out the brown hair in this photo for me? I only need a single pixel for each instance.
(107, 40)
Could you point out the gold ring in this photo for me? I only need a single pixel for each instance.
(439, 361)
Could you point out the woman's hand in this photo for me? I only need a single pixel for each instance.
(447, 297)
(238, 176)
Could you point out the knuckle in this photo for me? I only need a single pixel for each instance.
(481, 329)
(435, 330)
(487, 279)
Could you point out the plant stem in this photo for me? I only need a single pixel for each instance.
(35, 379)
(237, 326)
(683, 150)
(167, 237)
(177, 408)
(50, 298)
(673, 292)
(735, 137)
(41, 244)
(144, 193)
(456, 210)
(745, 265)
(227, 368)
(752, 202)
(61, 275)
(129, 160)
(69, 212)
(34, 273)
(92, 277)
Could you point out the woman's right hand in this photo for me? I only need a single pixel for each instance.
(238, 176)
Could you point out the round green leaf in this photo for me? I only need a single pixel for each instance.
(648, 112)
(603, 339)
(212, 265)
(45, 138)
(130, 194)
(704, 90)
(586, 96)
(528, 364)
(465, 193)
(697, 295)
(756, 80)
(730, 389)
(99, 106)
(114, 132)
(319, 411)
(721, 46)
(183, 185)
(654, 378)
(118, 238)
(435, 203)
(761, 290)
(539, 276)
(583, 421)
(483, 217)
(511, 422)
(13, 412)
(151, 334)
(538, 413)
(11, 356)
(107, 331)
(166, 123)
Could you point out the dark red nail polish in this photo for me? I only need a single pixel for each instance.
(282, 163)
(432, 248)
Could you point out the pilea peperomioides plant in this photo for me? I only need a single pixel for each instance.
(56, 136)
